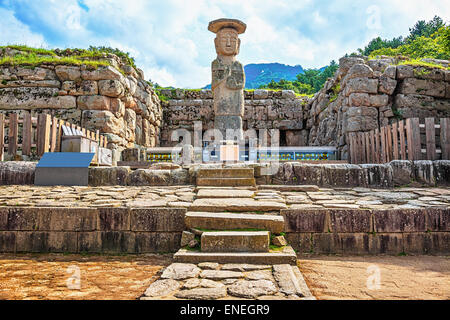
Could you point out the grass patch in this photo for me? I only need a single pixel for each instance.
(93, 57)
(30, 50)
(420, 63)
(275, 248)
(34, 60)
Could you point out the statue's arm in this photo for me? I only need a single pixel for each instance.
(236, 80)
(218, 74)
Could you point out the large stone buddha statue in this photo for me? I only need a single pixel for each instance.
(228, 78)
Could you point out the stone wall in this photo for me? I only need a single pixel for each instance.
(263, 110)
(393, 174)
(367, 94)
(391, 231)
(123, 230)
(81, 230)
(121, 104)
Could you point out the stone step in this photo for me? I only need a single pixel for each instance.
(235, 205)
(224, 193)
(226, 173)
(235, 241)
(294, 188)
(226, 182)
(232, 221)
(285, 256)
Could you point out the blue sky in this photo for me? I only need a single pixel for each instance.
(171, 43)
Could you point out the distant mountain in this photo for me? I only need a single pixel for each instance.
(257, 74)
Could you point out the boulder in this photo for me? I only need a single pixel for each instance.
(31, 83)
(405, 71)
(359, 70)
(378, 100)
(68, 73)
(104, 121)
(147, 177)
(425, 87)
(37, 73)
(359, 99)
(34, 98)
(118, 108)
(402, 173)
(345, 63)
(364, 85)
(260, 94)
(360, 119)
(387, 85)
(102, 73)
(108, 176)
(76, 88)
(111, 88)
(17, 172)
(96, 102)
(390, 72)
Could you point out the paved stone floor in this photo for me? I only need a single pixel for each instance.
(206, 281)
(308, 197)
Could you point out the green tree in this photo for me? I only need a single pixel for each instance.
(425, 29)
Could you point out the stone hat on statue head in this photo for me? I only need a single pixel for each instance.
(216, 25)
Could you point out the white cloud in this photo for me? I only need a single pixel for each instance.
(12, 31)
(171, 43)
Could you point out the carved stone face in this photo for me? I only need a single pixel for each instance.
(227, 42)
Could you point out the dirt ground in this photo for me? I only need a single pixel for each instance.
(402, 277)
(47, 276)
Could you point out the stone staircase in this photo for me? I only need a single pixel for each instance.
(226, 177)
(230, 225)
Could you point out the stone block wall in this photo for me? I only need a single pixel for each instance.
(368, 94)
(86, 230)
(158, 230)
(391, 231)
(393, 174)
(389, 175)
(263, 110)
(121, 104)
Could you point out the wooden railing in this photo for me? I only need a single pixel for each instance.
(402, 141)
(34, 136)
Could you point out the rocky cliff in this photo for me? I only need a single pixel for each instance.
(111, 96)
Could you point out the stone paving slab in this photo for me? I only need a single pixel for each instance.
(286, 255)
(278, 197)
(225, 282)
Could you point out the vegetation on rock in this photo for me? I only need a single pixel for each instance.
(92, 57)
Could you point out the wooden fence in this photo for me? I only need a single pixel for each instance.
(404, 140)
(36, 135)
